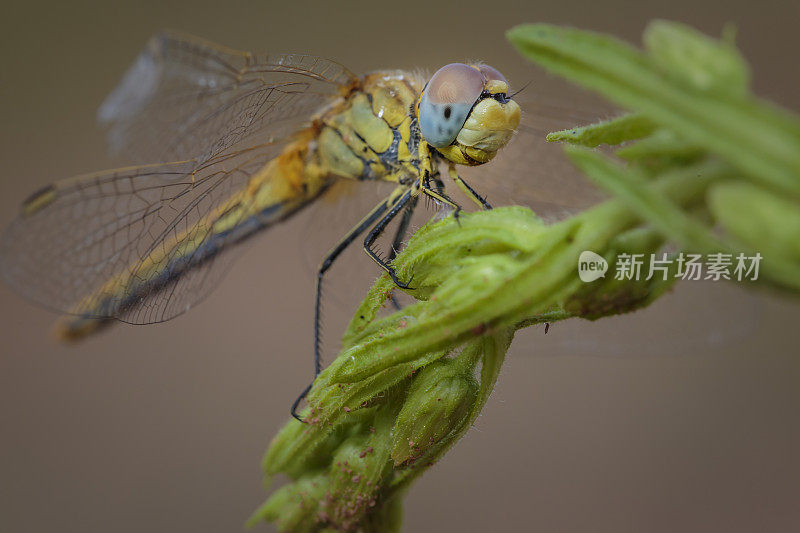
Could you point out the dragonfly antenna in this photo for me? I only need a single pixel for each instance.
(520, 90)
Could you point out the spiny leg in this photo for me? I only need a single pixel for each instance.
(469, 191)
(438, 184)
(352, 235)
(398, 239)
(402, 228)
(442, 198)
(376, 231)
(435, 177)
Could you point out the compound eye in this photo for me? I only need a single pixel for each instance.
(447, 101)
(455, 83)
(491, 73)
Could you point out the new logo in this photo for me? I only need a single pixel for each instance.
(591, 266)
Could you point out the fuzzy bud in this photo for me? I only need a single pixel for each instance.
(438, 403)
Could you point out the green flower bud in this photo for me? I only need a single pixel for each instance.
(438, 403)
(359, 469)
(294, 507)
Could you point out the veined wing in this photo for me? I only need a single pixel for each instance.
(185, 97)
(144, 243)
(141, 244)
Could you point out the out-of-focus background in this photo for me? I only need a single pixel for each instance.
(683, 417)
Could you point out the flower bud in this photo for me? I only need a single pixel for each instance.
(438, 403)
(294, 506)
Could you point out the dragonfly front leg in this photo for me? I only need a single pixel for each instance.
(442, 198)
(438, 184)
(469, 191)
(430, 172)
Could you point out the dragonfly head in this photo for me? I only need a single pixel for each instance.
(465, 112)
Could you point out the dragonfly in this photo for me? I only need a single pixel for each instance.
(226, 144)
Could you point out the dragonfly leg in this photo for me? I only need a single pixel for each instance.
(438, 184)
(398, 239)
(374, 215)
(469, 191)
(299, 399)
(443, 199)
(376, 231)
(434, 177)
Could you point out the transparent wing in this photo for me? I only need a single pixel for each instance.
(184, 97)
(139, 243)
(134, 244)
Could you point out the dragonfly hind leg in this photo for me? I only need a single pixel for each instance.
(374, 215)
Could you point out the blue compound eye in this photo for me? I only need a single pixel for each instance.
(447, 101)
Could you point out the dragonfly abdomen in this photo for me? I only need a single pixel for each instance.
(140, 293)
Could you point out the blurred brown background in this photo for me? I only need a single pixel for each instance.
(680, 418)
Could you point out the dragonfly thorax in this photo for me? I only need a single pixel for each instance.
(372, 133)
